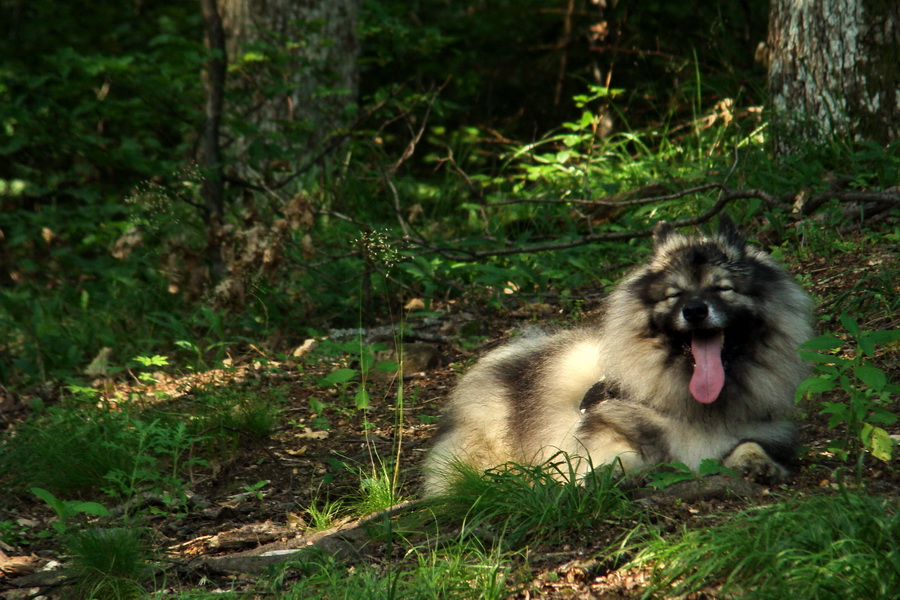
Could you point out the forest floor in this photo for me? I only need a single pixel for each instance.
(316, 458)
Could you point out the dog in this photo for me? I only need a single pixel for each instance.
(695, 358)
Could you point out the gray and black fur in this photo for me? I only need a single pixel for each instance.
(623, 390)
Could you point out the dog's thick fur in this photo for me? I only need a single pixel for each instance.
(695, 358)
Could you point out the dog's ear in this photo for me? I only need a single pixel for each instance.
(728, 232)
(661, 233)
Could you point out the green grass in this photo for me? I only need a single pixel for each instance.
(85, 449)
(323, 514)
(822, 548)
(107, 564)
(70, 452)
(377, 488)
(240, 413)
(469, 542)
(546, 504)
(465, 573)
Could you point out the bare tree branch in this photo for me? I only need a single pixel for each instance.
(726, 196)
(411, 147)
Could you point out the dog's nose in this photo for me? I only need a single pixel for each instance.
(695, 312)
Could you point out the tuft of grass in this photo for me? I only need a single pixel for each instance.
(239, 414)
(107, 564)
(323, 515)
(822, 548)
(377, 488)
(548, 502)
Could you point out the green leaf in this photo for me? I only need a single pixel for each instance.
(58, 506)
(663, 480)
(317, 406)
(388, 366)
(711, 466)
(366, 360)
(884, 336)
(362, 399)
(340, 376)
(877, 441)
(253, 57)
(89, 508)
(815, 385)
(156, 360)
(839, 413)
(866, 346)
(587, 118)
(187, 345)
(850, 324)
(871, 376)
(885, 417)
(823, 342)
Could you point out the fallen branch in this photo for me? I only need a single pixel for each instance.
(347, 541)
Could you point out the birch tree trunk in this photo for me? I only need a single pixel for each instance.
(834, 70)
(295, 67)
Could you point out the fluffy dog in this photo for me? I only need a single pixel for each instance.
(695, 358)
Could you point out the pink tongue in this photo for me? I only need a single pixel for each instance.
(709, 375)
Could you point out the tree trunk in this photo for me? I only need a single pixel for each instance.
(213, 186)
(299, 76)
(833, 71)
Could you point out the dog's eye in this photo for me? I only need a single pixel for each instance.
(724, 288)
(673, 293)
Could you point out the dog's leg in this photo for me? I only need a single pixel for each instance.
(752, 461)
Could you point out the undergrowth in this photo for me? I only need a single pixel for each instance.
(819, 548)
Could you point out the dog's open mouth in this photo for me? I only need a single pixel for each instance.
(709, 373)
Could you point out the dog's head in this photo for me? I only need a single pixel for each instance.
(702, 298)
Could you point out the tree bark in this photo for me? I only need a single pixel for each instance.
(833, 71)
(213, 186)
(312, 45)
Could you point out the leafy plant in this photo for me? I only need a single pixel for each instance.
(256, 489)
(79, 450)
(70, 452)
(158, 449)
(11, 533)
(66, 509)
(147, 362)
(868, 392)
(671, 473)
(364, 358)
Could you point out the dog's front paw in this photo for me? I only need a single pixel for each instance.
(751, 461)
